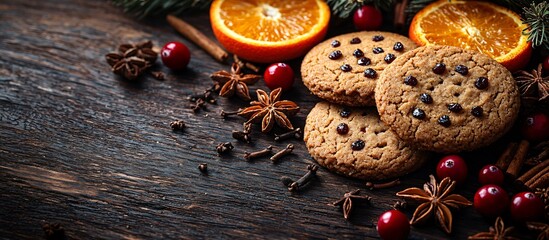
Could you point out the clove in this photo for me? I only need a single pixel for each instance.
(203, 167)
(296, 133)
(223, 148)
(199, 104)
(305, 179)
(242, 136)
(400, 205)
(178, 125)
(260, 153)
(247, 65)
(282, 153)
(158, 75)
(374, 186)
(226, 114)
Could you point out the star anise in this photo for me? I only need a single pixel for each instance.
(533, 82)
(143, 50)
(497, 232)
(235, 82)
(436, 200)
(127, 64)
(346, 202)
(542, 228)
(269, 109)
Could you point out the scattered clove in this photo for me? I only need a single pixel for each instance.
(294, 186)
(247, 65)
(296, 133)
(400, 205)
(226, 114)
(203, 167)
(282, 153)
(158, 75)
(178, 125)
(374, 186)
(199, 104)
(260, 153)
(242, 136)
(206, 96)
(223, 148)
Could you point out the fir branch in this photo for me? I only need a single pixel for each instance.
(413, 7)
(145, 8)
(345, 8)
(537, 18)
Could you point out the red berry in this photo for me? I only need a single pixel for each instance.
(490, 174)
(279, 75)
(367, 18)
(526, 206)
(536, 127)
(454, 167)
(175, 55)
(393, 224)
(491, 200)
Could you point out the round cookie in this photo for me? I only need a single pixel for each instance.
(364, 149)
(344, 69)
(466, 104)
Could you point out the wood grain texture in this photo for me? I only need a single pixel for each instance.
(81, 147)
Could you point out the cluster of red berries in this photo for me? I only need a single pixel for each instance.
(491, 200)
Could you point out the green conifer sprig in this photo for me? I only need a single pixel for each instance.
(145, 8)
(536, 16)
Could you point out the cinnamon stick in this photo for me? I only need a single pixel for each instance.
(518, 160)
(533, 171)
(539, 179)
(400, 13)
(506, 156)
(198, 38)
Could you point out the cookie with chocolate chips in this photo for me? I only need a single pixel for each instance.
(447, 99)
(354, 142)
(344, 69)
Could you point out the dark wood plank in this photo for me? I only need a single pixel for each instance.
(81, 147)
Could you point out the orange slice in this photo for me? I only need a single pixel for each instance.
(268, 31)
(482, 26)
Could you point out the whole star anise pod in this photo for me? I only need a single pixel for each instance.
(498, 232)
(533, 82)
(346, 202)
(127, 64)
(542, 228)
(436, 201)
(270, 109)
(141, 50)
(235, 82)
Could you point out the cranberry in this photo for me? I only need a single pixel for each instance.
(175, 55)
(279, 75)
(452, 166)
(535, 127)
(526, 206)
(393, 224)
(490, 174)
(491, 200)
(367, 18)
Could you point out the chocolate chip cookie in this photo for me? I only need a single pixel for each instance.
(344, 69)
(447, 99)
(355, 143)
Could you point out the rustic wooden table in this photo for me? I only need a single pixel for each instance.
(83, 148)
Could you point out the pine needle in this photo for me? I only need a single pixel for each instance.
(345, 8)
(146, 8)
(537, 18)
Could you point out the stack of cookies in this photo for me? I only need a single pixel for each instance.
(389, 103)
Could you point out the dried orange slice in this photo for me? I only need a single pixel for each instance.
(482, 26)
(268, 31)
